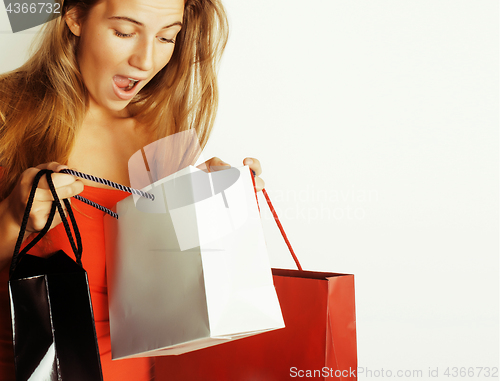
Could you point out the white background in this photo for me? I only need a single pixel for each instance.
(376, 122)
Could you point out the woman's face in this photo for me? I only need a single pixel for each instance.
(122, 45)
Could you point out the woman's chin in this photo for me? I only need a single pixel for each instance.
(114, 108)
(120, 111)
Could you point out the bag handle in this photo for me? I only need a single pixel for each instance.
(275, 215)
(281, 229)
(105, 182)
(56, 205)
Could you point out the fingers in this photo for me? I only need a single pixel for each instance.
(39, 215)
(259, 184)
(53, 166)
(60, 180)
(216, 164)
(213, 165)
(66, 186)
(254, 165)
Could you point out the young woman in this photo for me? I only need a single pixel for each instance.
(107, 78)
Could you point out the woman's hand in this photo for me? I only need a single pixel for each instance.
(12, 208)
(254, 165)
(216, 164)
(66, 186)
(213, 165)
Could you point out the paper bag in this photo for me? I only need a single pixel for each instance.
(52, 319)
(195, 275)
(318, 342)
(53, 323)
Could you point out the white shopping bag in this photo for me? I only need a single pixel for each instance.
(194, 275)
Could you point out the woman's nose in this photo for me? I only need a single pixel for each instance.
(142, 57)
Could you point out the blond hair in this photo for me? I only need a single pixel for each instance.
(43, 103)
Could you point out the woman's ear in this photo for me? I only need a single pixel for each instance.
(71, 18)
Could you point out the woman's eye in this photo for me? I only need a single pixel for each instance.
(166, 40)
(161, 39)
(119, 34)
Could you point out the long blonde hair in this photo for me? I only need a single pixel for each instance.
(43, 103)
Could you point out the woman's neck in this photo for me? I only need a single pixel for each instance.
(104, 144)
(99, 115)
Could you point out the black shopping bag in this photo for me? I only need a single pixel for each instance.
(52, 319)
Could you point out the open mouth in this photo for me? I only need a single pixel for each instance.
(124, 83)
(131, 84)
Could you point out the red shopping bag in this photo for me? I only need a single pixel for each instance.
(318, 341)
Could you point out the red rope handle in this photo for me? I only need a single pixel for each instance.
(281, 229)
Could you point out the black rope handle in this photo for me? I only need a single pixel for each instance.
(109, 183)
(105, 182)
(16, 255)
(77, 248)
(96, 205)
(56, 205)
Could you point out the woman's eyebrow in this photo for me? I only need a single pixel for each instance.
(140, 23)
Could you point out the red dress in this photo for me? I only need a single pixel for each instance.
(90, 224)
